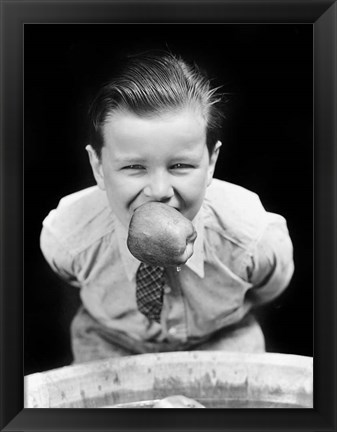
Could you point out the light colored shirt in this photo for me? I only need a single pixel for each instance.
(243, 257)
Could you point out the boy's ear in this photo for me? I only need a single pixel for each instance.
(96, 166)
(212, 161)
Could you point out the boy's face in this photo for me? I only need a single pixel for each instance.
(161, 158)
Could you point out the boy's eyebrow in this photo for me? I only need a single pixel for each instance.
(128, 159)
(189, 154)
(138, 160)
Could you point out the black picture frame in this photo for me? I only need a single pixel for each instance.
(322, 15)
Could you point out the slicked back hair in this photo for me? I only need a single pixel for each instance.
(152, 84)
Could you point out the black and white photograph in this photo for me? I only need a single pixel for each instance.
(169, 193)
(168, 208)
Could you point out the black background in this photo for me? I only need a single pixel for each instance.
(268, 148)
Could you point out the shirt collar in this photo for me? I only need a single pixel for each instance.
(196, 262)
(131, 264)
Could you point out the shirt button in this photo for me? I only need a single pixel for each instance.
(167, 289)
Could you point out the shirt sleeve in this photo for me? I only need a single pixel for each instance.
(58, 257)
(272, 265)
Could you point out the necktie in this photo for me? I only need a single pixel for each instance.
(149, 293)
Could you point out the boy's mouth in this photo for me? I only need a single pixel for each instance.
(175, 208)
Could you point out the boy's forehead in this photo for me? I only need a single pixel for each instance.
(186, 122)
(128, 136)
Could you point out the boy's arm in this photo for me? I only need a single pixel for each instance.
(272, 265)
(57, 256)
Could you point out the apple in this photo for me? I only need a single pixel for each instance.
(160, 235)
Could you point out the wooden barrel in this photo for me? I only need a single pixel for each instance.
(215, 379)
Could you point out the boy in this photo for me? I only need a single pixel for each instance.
(155, 137)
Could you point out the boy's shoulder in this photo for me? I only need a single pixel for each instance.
(234, 211)
(81, 218)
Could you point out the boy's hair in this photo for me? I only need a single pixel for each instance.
(152, 84)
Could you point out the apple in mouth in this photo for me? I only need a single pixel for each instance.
(160, 235)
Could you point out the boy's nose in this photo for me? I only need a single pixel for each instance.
(159, 188)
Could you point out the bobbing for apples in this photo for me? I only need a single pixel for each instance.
(160, 235)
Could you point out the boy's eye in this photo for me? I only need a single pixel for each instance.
(181, 166)
(133, 167)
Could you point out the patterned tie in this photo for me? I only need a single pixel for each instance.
(149, 293)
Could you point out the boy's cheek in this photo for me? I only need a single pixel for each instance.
(194, 202)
